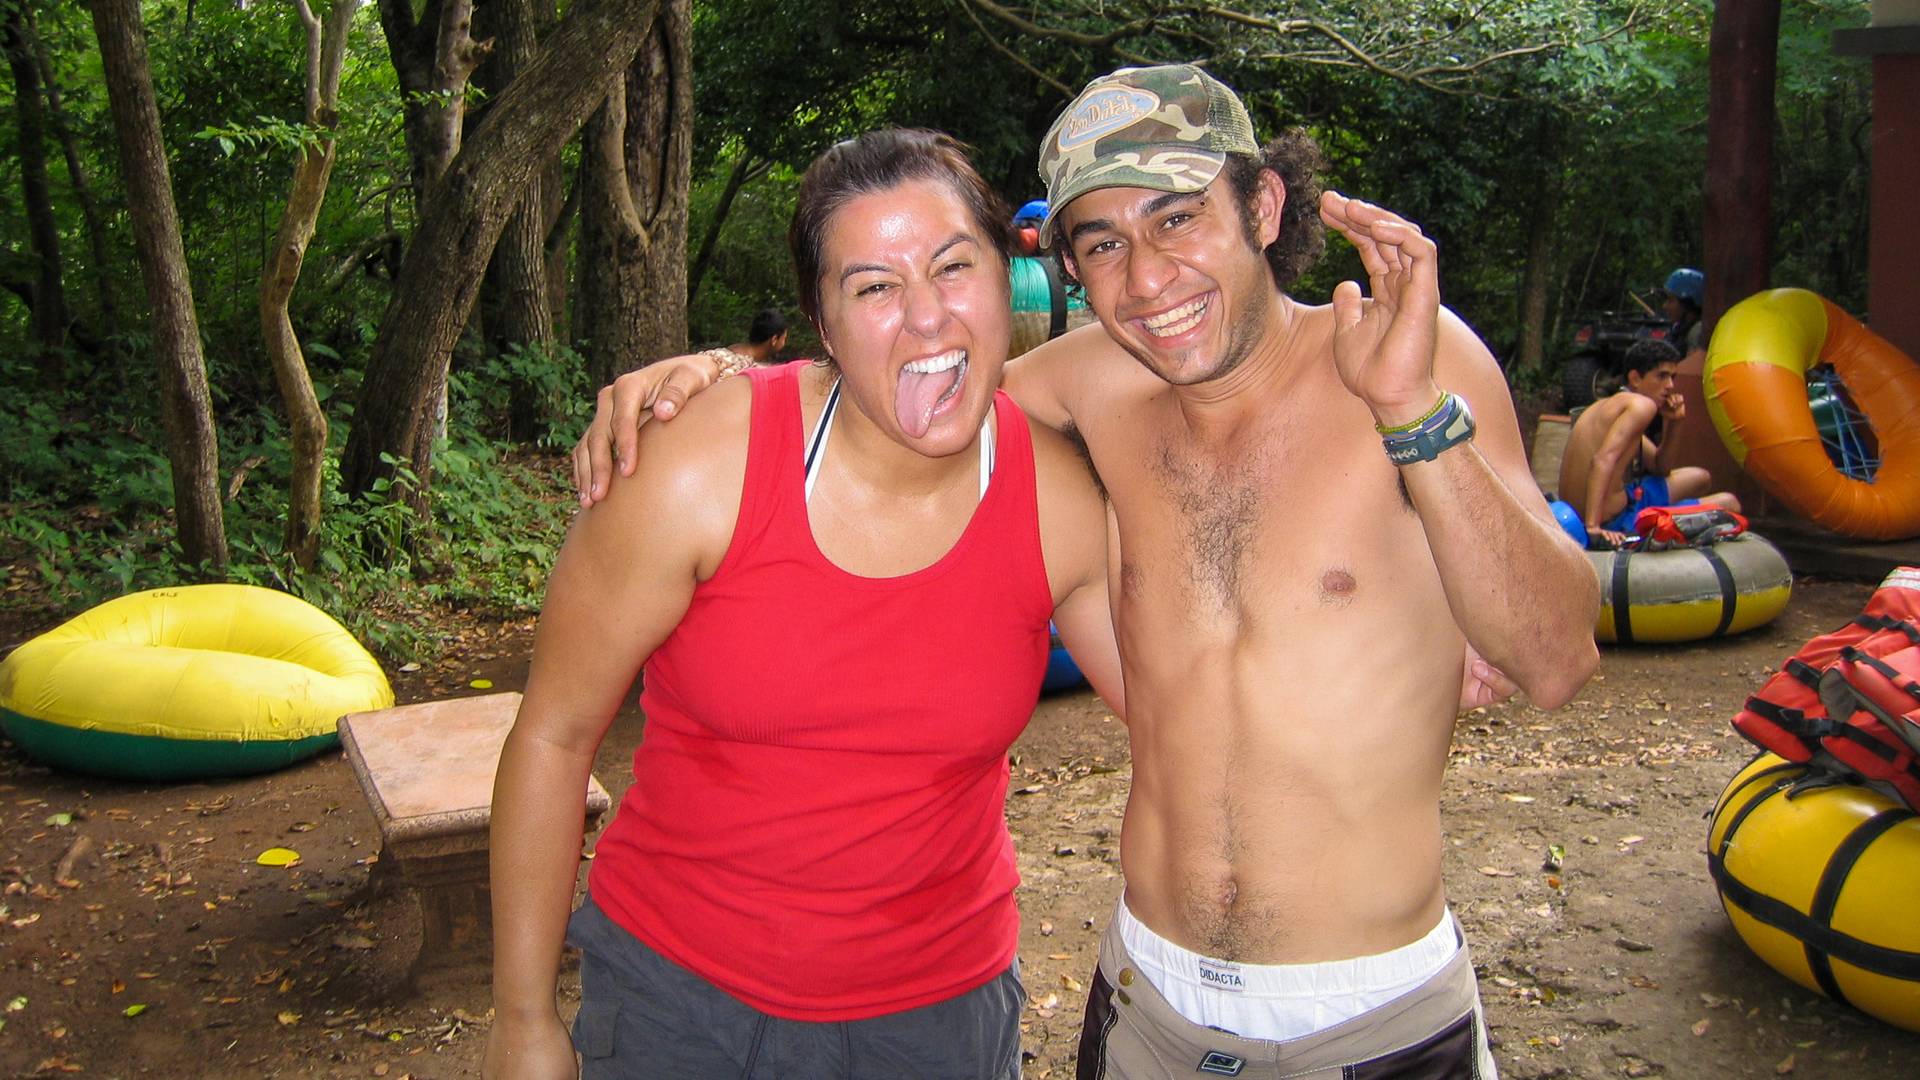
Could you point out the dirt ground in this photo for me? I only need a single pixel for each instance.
(169, 952)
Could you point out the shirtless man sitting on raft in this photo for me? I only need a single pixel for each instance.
(1310, 534)
(1612, 469)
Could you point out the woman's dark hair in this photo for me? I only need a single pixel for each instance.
(1297, 160)
(878, 161)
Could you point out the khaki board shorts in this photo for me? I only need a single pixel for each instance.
(1433, 1032)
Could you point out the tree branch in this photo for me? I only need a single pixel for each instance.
(974, 17)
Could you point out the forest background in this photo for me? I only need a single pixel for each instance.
(314, 296)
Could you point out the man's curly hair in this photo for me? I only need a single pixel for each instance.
(1297, 160)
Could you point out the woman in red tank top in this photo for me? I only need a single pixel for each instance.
(838, 580)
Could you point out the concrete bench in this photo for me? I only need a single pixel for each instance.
(427, 770)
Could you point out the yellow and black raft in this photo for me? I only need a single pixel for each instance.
(1688, 593)
(187, 683)
(1820, 883)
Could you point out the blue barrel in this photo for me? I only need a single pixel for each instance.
(1062, 672)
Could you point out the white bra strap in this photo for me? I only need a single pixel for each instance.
(817, 442)
(986, 450)
(823, 426)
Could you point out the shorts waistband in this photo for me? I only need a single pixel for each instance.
(1168, 964)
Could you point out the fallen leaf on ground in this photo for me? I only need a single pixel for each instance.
(135, 1010)
(1494, 871)
(1700, 1027)
(288, 1019)
(278, 856)
(481, 684)
(1510, 797)
(1785, 1066)
(1071, 983)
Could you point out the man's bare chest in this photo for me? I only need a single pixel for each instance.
(1227, 533)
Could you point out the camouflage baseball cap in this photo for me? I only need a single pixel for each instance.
(1167, 128)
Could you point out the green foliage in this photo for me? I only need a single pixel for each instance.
(1600, 145)
(266, 133)
(751, 267)
(84, 502)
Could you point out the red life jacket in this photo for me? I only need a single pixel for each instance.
(1848, 703)
(1662, 527)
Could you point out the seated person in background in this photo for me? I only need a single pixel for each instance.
(1618, 462)
(765, 338)
(1682, 298)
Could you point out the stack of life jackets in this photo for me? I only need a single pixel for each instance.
(1847, 704)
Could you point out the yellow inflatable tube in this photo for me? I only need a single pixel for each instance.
(1756, 388)
(1819, 883)
(1689, 593)
(197, 681)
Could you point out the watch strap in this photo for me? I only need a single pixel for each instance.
(1449, 426)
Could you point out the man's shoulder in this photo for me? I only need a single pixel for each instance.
(1079, 347)
(1605, 411)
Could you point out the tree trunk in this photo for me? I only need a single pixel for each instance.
(1738, 231)
(1530, 350)
(746, 168)
(441, 273)
(563, 203)
(638, 160)
(191, 446)
(513, 297)
(82, 190)
(307, 423)
(43, 229)
(433, 55)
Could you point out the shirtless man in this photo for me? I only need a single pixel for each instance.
(1292, 606)
(1611, 470)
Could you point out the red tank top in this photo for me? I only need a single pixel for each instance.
(817, 819)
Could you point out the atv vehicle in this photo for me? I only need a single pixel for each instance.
(1596, 368)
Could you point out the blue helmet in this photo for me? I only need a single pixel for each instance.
(1688, 284)
(1035, 209)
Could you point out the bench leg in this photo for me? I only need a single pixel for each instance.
(456, 923)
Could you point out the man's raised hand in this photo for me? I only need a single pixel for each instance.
(1384, 348)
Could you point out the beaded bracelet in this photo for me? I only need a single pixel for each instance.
(726, 361)
(1402, 429)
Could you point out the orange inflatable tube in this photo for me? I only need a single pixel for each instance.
(1756, 387)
